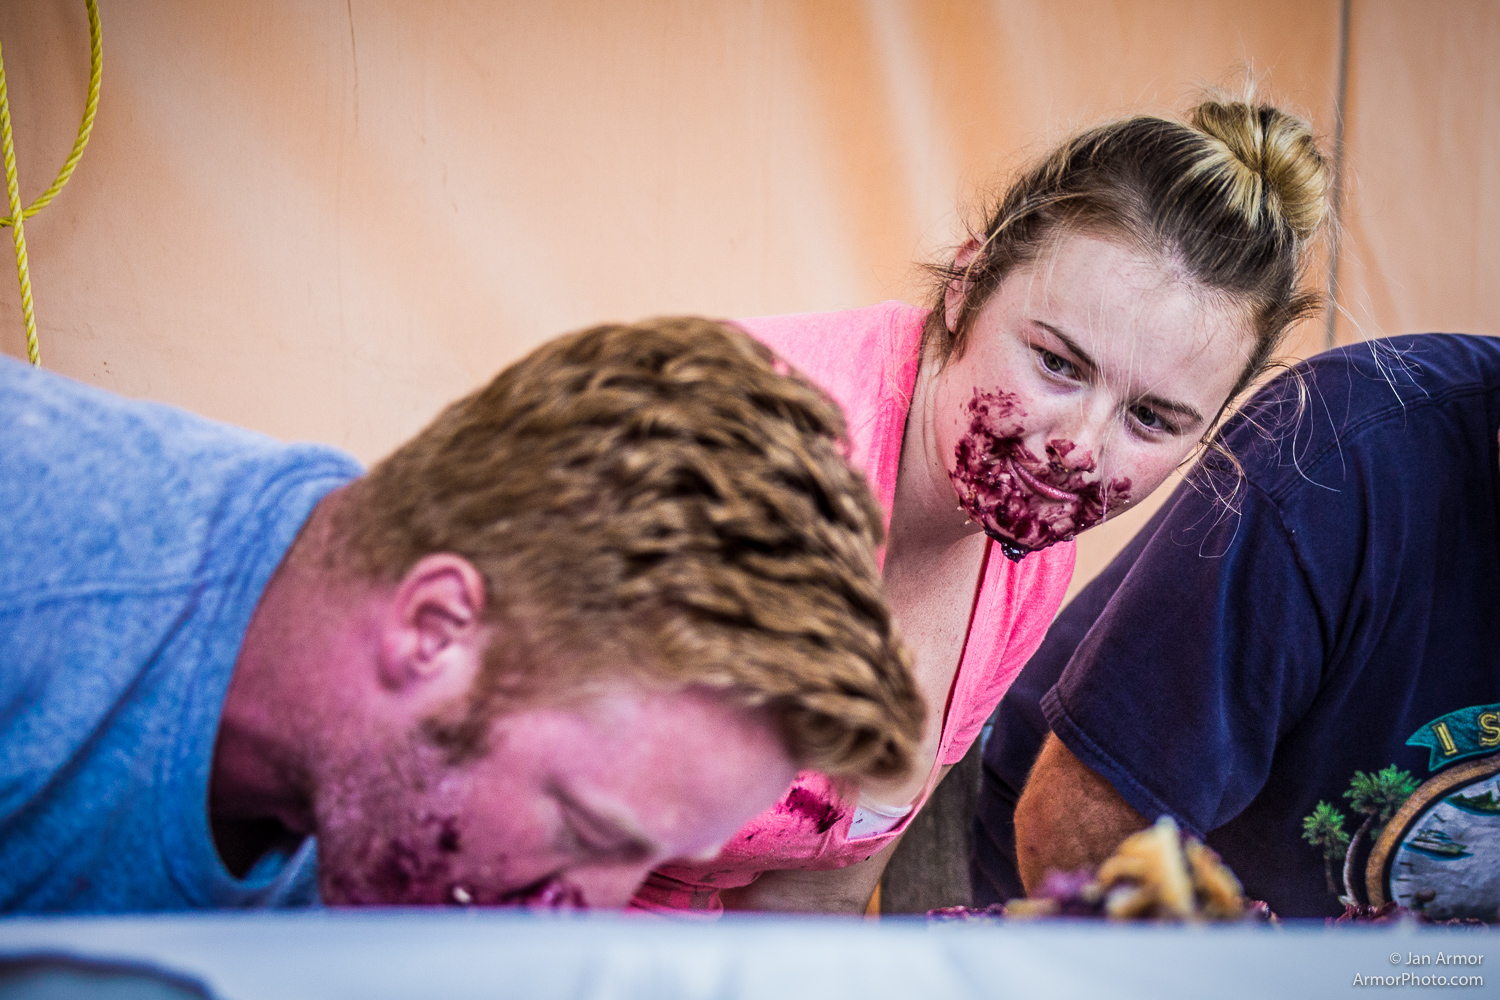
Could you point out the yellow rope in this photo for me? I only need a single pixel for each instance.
(13, 190)
(17, 217)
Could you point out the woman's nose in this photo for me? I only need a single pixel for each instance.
(1068, 455)
(1074, 438)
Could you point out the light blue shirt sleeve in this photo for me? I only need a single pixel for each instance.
(135, 542)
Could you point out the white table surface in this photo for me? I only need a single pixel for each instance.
(372, 955)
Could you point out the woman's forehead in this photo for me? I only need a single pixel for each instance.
(1134, 317)
(1116, 296)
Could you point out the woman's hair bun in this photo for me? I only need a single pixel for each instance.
(1283, 168)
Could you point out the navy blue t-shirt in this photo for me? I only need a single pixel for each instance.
(1286, 653)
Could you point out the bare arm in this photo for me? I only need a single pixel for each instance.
(1068, 816)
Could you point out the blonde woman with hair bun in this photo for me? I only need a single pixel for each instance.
(1078, 348)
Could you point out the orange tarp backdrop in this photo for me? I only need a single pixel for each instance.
(325, 218)
(1422, 218)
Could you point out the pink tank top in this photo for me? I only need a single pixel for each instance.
(867, 360)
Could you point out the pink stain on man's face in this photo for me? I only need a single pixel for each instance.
(1089, 375)
(573, 805)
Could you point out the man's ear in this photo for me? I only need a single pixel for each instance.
(958, 287)
(434, 628)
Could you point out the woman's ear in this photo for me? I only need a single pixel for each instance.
(434, 628)
(958, 286)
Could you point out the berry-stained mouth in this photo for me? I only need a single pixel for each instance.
(550, 893)
(1022, 501)
(1037, 485)
(423, 868)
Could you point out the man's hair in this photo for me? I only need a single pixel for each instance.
(667, 502)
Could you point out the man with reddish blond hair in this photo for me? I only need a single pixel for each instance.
(593, 618)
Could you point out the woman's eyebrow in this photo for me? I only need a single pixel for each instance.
(1185, 410)
(1070, 344)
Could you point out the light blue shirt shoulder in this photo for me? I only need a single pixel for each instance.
(135, 541)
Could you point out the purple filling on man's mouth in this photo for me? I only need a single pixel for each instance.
(550, 893)
(996, 495)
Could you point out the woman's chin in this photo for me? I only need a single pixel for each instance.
(1017, 541)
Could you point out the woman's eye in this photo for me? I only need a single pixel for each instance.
(1149, 418)
(1057, 364)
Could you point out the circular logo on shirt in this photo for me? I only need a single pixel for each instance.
(1440, 852)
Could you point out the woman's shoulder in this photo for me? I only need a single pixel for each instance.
(845, 344)
(866, 360)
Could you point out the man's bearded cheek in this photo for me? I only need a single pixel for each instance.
(426, 860)
(383, 864)
(375, 850)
